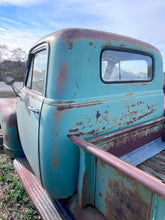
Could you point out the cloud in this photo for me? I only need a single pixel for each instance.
(20, 2)
(3, 30)
(140, 19)
(16, 38)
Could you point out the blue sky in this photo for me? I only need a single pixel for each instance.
(23, 22)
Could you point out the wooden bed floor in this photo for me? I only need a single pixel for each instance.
(155, 166)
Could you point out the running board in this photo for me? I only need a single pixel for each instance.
(48, 208)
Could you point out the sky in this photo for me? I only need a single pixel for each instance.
(23, 22)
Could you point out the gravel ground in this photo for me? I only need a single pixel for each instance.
(4, 87)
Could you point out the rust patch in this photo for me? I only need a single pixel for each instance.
(61, 79)
(137, 104)
(64, 102)
(54, 158)
(140, 117)
(64, 108)
(73, 130)
(98, 115)
(132, 115)
(58, 114)
(125, 203)
(108, 44)
(93, 132)
(100, 194)
(70, 45)
(69, 107)
(79, 123)
(122, 46)
(130, 94)
(55, 162)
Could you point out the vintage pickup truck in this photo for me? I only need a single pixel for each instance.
(88, 127)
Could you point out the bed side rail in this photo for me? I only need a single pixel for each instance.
(114, 186)
(129, 139)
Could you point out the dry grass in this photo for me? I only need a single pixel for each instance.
(14, 202)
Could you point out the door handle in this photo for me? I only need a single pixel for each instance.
(33, 109)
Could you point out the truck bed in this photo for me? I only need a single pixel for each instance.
(150, 158)
(155, 166)
(125, 144)
(119, 181)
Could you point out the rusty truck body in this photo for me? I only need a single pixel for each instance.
(89, 122)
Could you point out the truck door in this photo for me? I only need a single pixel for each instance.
(29, 106)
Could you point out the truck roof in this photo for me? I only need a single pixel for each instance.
(73, 34)
(74, 67)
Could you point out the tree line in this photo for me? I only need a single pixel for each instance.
(12, 61)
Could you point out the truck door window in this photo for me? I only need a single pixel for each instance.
(37, 72)
(120, 66)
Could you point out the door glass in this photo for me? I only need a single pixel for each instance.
(37, 72)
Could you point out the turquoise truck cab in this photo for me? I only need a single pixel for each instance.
(90, 88)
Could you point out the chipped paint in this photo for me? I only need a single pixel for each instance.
(98, 115)
(124, 197)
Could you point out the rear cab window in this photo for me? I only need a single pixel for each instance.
(123, 66)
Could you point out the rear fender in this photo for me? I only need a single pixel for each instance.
(8, 121)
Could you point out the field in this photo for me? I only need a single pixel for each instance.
(14, 202)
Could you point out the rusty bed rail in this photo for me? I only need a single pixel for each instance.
(124, 141)
(150, 182)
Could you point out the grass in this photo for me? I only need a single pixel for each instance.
(14, 202)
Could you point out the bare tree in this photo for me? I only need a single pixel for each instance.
(12, 61)
(3, 51)
(18, 54)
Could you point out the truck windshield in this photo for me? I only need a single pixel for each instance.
(120, 66)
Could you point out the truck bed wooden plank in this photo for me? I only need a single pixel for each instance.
(155, 166)
(48, 209)
(145, 152)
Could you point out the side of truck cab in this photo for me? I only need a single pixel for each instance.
(85, 83)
